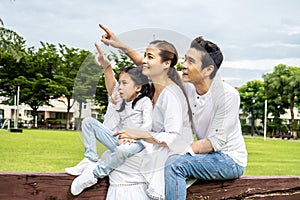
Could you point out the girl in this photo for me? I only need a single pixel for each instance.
(133, 111)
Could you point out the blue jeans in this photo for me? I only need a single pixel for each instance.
(211, 166)
(93, 130)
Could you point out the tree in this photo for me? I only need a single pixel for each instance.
(279, 88)
(65, 74)
(252, 101)
(86, 82)
(11, 42)
(37, 79)
(292, 91)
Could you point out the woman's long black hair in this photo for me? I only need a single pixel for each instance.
(138, 78)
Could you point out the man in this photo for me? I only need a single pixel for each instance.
(220, 151)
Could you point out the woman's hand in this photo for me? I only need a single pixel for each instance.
(100, 58)
(109, 38)
(128, 133)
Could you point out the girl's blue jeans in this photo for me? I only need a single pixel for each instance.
(93, 130)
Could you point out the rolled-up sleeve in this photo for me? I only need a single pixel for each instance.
(224, 120)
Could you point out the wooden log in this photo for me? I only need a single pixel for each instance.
(256, 187)
(56, 186)
(46, 186)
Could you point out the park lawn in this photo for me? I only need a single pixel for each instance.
(272, 157)
(53, 150)
(37, 150)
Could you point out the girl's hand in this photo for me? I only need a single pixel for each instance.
(124, 141)
(100, 58)
(109, 38)
(115, 98)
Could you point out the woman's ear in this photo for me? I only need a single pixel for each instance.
(167, 64)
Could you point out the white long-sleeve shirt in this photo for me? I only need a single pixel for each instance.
(171, 125)
(216, 117)
(139, 118)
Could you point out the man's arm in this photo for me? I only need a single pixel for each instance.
(202, 146)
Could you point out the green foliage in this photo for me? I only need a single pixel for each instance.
(252, 102)
(282, 90)
(11, 42)
(252, 98)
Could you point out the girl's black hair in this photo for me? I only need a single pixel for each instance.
(138, 78)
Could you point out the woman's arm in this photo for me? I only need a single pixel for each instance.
(110, 80)
(128, 133)
(110, 39)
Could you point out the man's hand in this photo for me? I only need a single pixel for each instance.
(202, 146)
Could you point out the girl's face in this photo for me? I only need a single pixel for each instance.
(152, 64)
(127, 88)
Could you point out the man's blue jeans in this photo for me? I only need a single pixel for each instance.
(211, 166)
(93, 130)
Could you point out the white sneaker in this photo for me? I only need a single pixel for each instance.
(78, 169)
(85, 180)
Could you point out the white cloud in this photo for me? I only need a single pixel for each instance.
(263, 64)
(276, 44)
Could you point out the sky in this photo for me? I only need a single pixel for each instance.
(254, 35)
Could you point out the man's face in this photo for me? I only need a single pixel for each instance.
(192, 67)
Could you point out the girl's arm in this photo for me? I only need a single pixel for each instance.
(110, 80)
(110, 39)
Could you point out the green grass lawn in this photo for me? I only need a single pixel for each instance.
(53, 150)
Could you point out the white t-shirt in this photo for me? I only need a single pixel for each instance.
(216, 117)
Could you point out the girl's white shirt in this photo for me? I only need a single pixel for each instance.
(139, 117)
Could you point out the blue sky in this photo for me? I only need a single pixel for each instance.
(254, 35)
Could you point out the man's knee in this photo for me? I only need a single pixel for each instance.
(171, 164)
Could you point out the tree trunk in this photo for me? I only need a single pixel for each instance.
(252, 122)
(34, 110)
(79, 117)
(292, 100)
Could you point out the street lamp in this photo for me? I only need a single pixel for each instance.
(252, 115)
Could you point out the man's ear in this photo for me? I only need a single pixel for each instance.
(209, 70)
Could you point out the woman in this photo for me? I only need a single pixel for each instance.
(171, 132)
(171, 129)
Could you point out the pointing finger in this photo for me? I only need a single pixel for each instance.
(98, 48)
(108, 32)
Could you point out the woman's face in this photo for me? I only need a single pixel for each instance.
(152, 64)
(127, 88)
